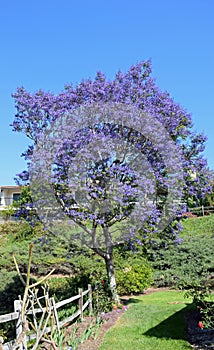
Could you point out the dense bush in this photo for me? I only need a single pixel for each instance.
(133, 274)
(10, 289)
(184, 264)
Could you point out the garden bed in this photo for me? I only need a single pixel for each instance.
(200, 339)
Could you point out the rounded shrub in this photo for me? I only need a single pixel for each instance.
(133, 274)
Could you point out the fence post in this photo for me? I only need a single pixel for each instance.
(20, 332)
(1, 342)
(90, 299)
(202, 210)
(55, 314)
(80, 303)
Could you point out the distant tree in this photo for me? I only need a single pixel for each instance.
(23, 207)
(208, 199)
(123, 190)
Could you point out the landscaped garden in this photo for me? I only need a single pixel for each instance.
(157, 320)
(112, 165)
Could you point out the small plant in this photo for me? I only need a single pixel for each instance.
(73, 340)
(59, 339)
(64, 313)
(203, 300)
(3, 336)
(92, 331)
(102, 301)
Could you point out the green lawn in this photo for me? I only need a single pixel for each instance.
(197, 226)
(152, 322)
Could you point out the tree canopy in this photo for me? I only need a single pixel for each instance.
(114, 157)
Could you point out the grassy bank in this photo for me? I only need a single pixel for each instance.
(199, 225)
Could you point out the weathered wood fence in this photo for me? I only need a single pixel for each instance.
(201, 211)
(51, 316)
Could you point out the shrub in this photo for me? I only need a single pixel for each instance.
(203, 299)
(183, 264)
(10, 289)
(133, 274)
(20, 230)
(9, 227)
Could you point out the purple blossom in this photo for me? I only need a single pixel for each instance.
(108, 152)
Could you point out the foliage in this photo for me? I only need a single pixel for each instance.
(10, 227)
(20, 231)
(193, 251)
(60, 288)
(10, 289)
(23, 207)
(73, 339)
(203, 298)
(208, 199)
(7, 213)
(133, 274)
(183, 264)
(16, 236)
(200, 289)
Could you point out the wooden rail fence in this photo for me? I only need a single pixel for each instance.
(50, 310)
(201, 211)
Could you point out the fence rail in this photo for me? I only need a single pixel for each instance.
(202, 210)
(53, 307)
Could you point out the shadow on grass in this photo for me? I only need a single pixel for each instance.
(173, 327)
(129, 301)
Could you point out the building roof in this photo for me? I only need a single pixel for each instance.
(12, 187)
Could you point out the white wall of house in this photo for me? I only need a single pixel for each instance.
(8, 194)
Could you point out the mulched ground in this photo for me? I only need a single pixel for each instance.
(200, 339)
(94, 344)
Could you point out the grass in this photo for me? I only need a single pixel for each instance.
(152, 322)
(199, 225)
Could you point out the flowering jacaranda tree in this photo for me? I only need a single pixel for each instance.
(110, 157)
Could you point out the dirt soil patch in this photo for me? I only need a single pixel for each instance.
(94, 341)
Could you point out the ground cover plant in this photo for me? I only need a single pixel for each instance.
(154, 321)
(189, 262)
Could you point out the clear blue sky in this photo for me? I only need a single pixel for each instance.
(48, 43)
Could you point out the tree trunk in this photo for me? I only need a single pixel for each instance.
(111, 276)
